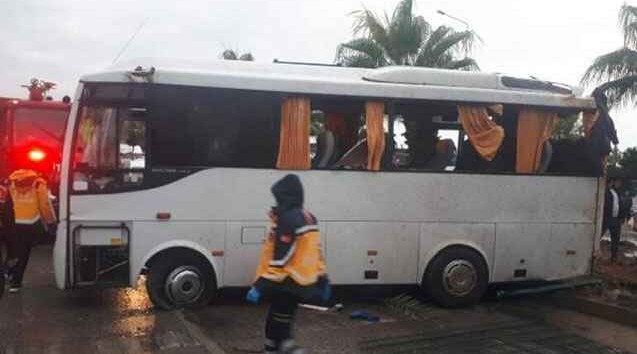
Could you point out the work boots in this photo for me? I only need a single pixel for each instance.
(289, 347)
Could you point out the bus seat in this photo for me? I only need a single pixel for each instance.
(325, 150)
(446, 154)
(355, 158)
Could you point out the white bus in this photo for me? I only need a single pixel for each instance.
(445, 179)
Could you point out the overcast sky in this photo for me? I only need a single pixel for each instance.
(59, 40)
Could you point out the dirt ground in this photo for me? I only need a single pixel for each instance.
(622, 272)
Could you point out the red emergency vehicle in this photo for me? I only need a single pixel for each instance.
(32, 135)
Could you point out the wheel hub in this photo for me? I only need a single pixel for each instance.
(184, 285)
(459, 277)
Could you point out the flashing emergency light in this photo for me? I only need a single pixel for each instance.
(36, 155)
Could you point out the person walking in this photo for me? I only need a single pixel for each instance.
(610, 221)
(291, 266)
(7, 223)
(34, 215)
(634, 213)
(625, 206)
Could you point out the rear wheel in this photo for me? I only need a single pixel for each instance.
(180, 279)
(456, 277)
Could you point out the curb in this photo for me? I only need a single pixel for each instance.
(196, 332)
(615, 313)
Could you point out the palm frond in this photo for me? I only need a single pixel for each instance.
(406, 305)
(366, 23)
(467, 64)
(436, 36)
(402, 12)
(361, 51)
(611, 66)
(424, 26)
(628, 22)
(620, 92)
(359, 61)
(453, 43)
(229, 54)
(406, 34)
(246, 57)
(425, 56)
(405, 39)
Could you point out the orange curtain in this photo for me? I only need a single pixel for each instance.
(374, 114)
(534, 129)
(484, 134)
(294, 141)
(590, 117)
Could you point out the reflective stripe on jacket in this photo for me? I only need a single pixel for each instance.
(30, 196)
(293, 250)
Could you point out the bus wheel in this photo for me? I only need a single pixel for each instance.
(456, 277)
(180, 279)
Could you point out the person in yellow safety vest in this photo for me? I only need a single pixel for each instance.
(291, 266)
(34, 215)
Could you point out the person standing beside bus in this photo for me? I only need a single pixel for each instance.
(610, 221)
(7, 223)
(34, 215)
(291, 267)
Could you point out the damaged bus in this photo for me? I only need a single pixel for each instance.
(446, 179)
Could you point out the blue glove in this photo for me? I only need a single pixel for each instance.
(253, 295)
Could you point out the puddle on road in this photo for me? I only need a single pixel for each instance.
(129, 301)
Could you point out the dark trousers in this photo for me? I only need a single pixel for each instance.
(613, 225)
(278, 325)
(4, 256)
(20, 246)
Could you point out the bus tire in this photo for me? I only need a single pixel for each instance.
(456, 277)
(180, 280)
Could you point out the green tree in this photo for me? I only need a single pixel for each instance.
(230, 54)
(568, 127)
(613, 164)
(405, 39)
(617, 70)
(628, 162)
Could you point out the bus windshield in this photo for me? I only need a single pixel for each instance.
(44, 127)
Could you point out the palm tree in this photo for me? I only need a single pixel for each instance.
(617, 70)
(230, 54)
(406, 39)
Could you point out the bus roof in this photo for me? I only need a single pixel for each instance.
(387, 82)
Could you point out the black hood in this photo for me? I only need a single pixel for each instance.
(288, 192)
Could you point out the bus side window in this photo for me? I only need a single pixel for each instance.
(425, 137)
(198, 128)
(335, 126)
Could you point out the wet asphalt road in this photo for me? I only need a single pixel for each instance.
(43, 319)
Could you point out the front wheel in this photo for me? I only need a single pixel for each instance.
(456, 277)
(180, 280)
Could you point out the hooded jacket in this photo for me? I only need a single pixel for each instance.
(292, 250)
(30, 196)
